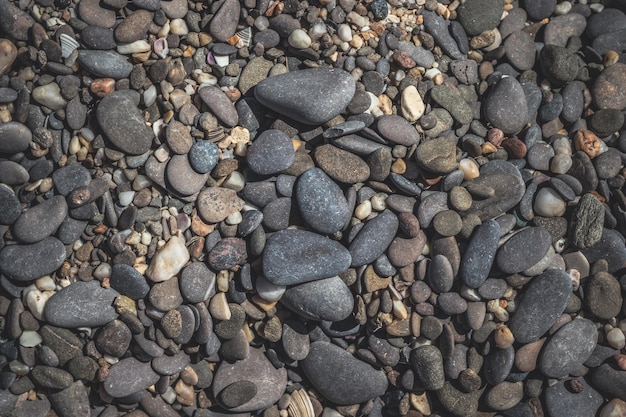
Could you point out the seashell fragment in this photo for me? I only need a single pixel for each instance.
(160, 48)
(300, 404)
(68, 45)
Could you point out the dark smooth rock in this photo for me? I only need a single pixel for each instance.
(82, 304)
(129, 282)
(297, 256)
(29, 262)
(603, 295)
(203, 156)
(182, 178)
(560, 401)
(133, 136)
(397, 130)
(10, 206)
(326, 299)
(40, 221)
(219, 104)
(506, 107)
(14, 137)
(321, 202)
(480, 254)
(257, 369)
(270, 153)
(427, 363)
(170, 365)
(340, 377)
(539, 9)
(96, 37)
(197, 282)
(129, 376)
(107, 64)
(70, 177)
(480, 15)
(561, 28)
(437, 26)
(543, 302)
(72, 401)
(523, 250)
(328, 92)
(610, 247)
(568, 349)
(374, 238)
(451, 100)
(224, 23)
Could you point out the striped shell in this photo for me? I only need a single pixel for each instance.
(300, 404)
(68, 45)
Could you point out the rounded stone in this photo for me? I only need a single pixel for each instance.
(203, 156)
(270, 153)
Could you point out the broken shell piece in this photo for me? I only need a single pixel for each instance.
(68, 45)
(221, 60)
(300, 404)
(160, 48)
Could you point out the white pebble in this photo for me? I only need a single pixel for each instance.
(268, 291)
(548, 203)
(317, 30)
(150, 96)
(29, 339)
(179, 27)
(102, 271)
(344, 32)
(356, 19)
(133, 47)
(49, 95)
(412, 104)
(221, 60)
(616, 338)
(234, 219)
(299, 39)
(126, 197)
(36, 301)
(363, 210)
(561, 163)
(146, 238)
(169, 260)
(379, 201)
(261, 23)
(45, 283)
(235, 181)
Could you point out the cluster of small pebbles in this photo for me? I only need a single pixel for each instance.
(330, 208)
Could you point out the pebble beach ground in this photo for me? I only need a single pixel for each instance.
(312, 208)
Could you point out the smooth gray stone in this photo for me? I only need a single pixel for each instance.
(40, 221)
(340, 377)
(542, 303)
(562, 402)
(170, 365)
(256, 368)
(219, 104)
(10, 206)
(427, 363)
(29, 262)
(129, 282)
(81, 304)
(374, 238)
(297, 256)
(480, 254)
(478, 16)
(328, 92)
(105, 63)
(438, 27)
(610, 247)
(133, 136)
(523, 250)
(321, 202)
(498, 364)
(70, 177)
(568, 348)
(270, 153)
(129, 376)
(506, 107)
(327, 299)
(72, 401)
(14, 137)
(611, 380)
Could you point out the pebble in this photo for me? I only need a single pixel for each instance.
(224, 22)
(568, 348)
(538, 10)
(133, 136)
(15, 137)
(40, 221)
(374, 238)
(603, 296)
(523, 250)
(216, 204)
(82, 304)
(608, 89)
(520, 50)
(321, 202)
(270, 382)
(427, 363)
(397, 130)
(219, 104)
(452, 101)
(203, 156)
(72, 401)
(129, 376)
(340, 377)
(168, 261)
(105, 64)
(587, 221)
(270, 153)
(329, 91)
(560, 401)
(506, 107)
(325, 299)
(341, 165)
(29, 262)
(297, 256)
(544, 301)
(70, 177)
(610, 247)
(134, 27)
(8, 54)
(437, 155)
(480, 16)
(129, 282)
(182, 178)
(480, 254)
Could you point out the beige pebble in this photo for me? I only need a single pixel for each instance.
(616, 338)
(169, 260)
(412, 105)
(614, 408)
(218, 307)
(503, 337)
(363, 210)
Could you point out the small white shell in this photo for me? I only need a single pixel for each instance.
(160, 48)
(68, 45)
(245, 37)
(300, 404)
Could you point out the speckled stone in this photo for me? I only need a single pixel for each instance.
(321, 202)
